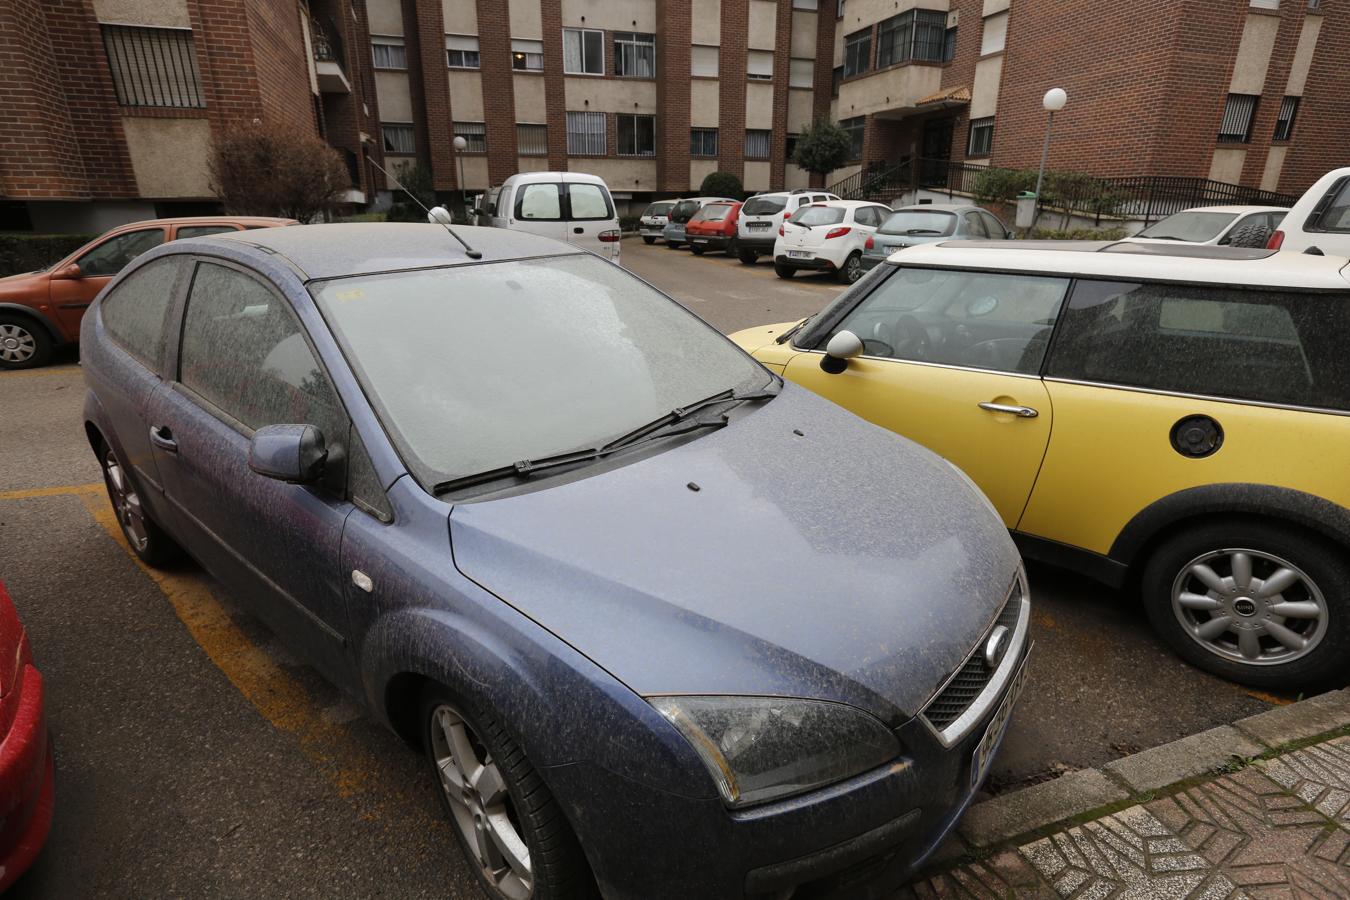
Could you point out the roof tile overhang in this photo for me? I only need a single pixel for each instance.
(953, 96)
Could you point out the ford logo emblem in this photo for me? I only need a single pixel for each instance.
(996, 647)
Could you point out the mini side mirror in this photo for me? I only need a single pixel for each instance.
(290, 453)
(842, 347)
(70, 271)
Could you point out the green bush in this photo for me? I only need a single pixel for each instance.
(418, 182)
(1082, 193)
(26, 252)
(366, 217)
(1002, 185)
(721, 184)
(629, 223)
(1079, 234)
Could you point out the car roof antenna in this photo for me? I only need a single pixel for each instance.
(438, 216)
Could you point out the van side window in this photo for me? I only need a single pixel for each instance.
(1333, 212)
(136, 312)
(1261, 345)
(539, 201)
(589, 201)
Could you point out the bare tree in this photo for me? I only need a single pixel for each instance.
(262, 170)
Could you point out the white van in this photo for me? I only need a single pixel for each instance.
(566, 206)
(1320, 219)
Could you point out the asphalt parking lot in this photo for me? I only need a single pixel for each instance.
(195, 757)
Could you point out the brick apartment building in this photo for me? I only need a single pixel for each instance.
(108, 108)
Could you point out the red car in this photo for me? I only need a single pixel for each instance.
(27, 795)
(713, 227)
(40, 310)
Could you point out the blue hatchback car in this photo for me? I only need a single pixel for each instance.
(663, 625)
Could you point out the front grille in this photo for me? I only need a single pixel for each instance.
(959, 693)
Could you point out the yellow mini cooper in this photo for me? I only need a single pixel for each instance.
(1172, 420)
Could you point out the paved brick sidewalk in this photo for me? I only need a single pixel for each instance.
(1275, 828)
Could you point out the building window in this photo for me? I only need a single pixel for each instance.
(759, 65)
(757, 143)
(461, 51)
(804, 4)
(527, 56)
(1238, 114)
(981, 140)
(1265, 4)
(790, 149)
(801, 73)
(949, 51)
(583, 51)
(637, 135)
(839, 9)
(389, 53)
(532, 140)
(1284, 125)
(474, 134)
(855, 127)
(634, 55)
(153, 66)
(703, 142)
(919, 34)
(857, 52)
(398, 138)
(994, 37)
(836, 76)
(586, 134)
(703, 61)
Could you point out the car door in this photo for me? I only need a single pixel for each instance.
(590, 212)
(70, 297)
(995, 228)
(973, 226)
(537, 207)
(952, 360)
(244, 361)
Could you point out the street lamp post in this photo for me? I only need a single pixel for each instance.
(1054, 101)
(460, 145)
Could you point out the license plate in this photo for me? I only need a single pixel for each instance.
(758, 226)
(984, 753)
(698, 241)
(799, 254)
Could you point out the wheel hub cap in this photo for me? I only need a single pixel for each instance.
(16, 344)
(1244, 606)
(126, 503)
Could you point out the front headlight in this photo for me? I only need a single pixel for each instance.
(763, 748)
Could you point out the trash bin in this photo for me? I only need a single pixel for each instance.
(1026, 209)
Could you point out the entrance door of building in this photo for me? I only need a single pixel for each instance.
(935, 149)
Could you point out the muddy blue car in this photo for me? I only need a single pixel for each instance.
(662, 624)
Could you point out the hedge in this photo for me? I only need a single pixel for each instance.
(26, 252)
(1079, 234)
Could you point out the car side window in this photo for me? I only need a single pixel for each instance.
(192, 231)
(243, 351)
(992, 226)
(539, 202)
(1261, 345)
(974, 225)
(588, 201)
(112, 256)
(982, 320)
(135, 313)
(1333, 212)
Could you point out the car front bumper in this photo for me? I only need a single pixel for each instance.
(27, 792)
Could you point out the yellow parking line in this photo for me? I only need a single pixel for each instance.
(95, 487)
(1273, 699)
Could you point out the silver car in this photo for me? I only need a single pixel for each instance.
(910, 225)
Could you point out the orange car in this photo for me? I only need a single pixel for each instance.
(41, 310)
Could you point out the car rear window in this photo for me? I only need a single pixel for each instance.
(764, 206)
(818, 215)
(713, 212)
(918, 222)
(1189, 226)
(682, 211)
(659, 209)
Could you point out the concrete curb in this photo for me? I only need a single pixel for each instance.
(1140, 776)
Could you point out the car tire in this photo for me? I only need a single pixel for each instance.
(649, 241)
(783, 271)
(147, 540)
(1253, 235)
(24, 344)
(851, 270)
(672, 245)
(733, 248)
(696, 249)
(749, 257)
(1307, 649)
(514, 810)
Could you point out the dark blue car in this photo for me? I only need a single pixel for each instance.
(663, 625)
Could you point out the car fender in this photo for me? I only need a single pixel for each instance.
(41, 318)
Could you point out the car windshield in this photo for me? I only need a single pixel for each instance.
(681, 211)
(911, 221)
(659, 209)
(1189, 226)
(479, 366)
(818, 215)
(764, 206)
(713, 212)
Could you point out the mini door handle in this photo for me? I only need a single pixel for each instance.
(162, 438)
(1022, 412)
(578, 230)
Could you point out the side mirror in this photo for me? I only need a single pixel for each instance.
(68, 272)
(842, 347)
(290, 453)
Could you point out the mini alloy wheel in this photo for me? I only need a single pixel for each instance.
(126, 503)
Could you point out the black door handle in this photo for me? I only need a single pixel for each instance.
(162, 438)
(578, 230)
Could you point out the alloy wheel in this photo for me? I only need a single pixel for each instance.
(126, 502)
(852, 269)
(1250, 607)
(17, 344)
(480, 804)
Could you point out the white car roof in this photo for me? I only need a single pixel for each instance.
(707, 199)
(1235, 209)
(569, 177)
(1148, 262)
(851, 204)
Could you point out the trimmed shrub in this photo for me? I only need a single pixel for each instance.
(721, 184)
(26, 252)
(629, 223)
(1079, 234)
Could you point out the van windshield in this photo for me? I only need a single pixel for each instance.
(764, 206)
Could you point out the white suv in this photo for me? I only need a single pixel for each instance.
(827, 237)
(763, 214)
(1320, 221)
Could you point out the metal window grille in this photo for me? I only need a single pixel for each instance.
(1238, 114)
(981, 140)
(949, 51)
(634, 55)
(532, 140)
(917, 34)
(586, 134)
(153, 66)
(857, 52)
(1284, 125)
(894, 39)
(637, 135)
(398, 139)
(389, 53)
(757, 143)
(474, 134)
(703, 142)
(856, 128)
(930, 35)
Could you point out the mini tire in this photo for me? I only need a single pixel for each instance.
(851, 270)
(1260, 603)
(147, 540)
(697, 250)
(783, 271)
(648, 240)
(672, 245)
(748, 257)
(513, 833)
(24, 343)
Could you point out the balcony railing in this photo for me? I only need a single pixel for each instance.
(326, 40)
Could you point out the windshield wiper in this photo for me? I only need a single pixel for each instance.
(923, 231)
(527, 467)
(787, 335)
